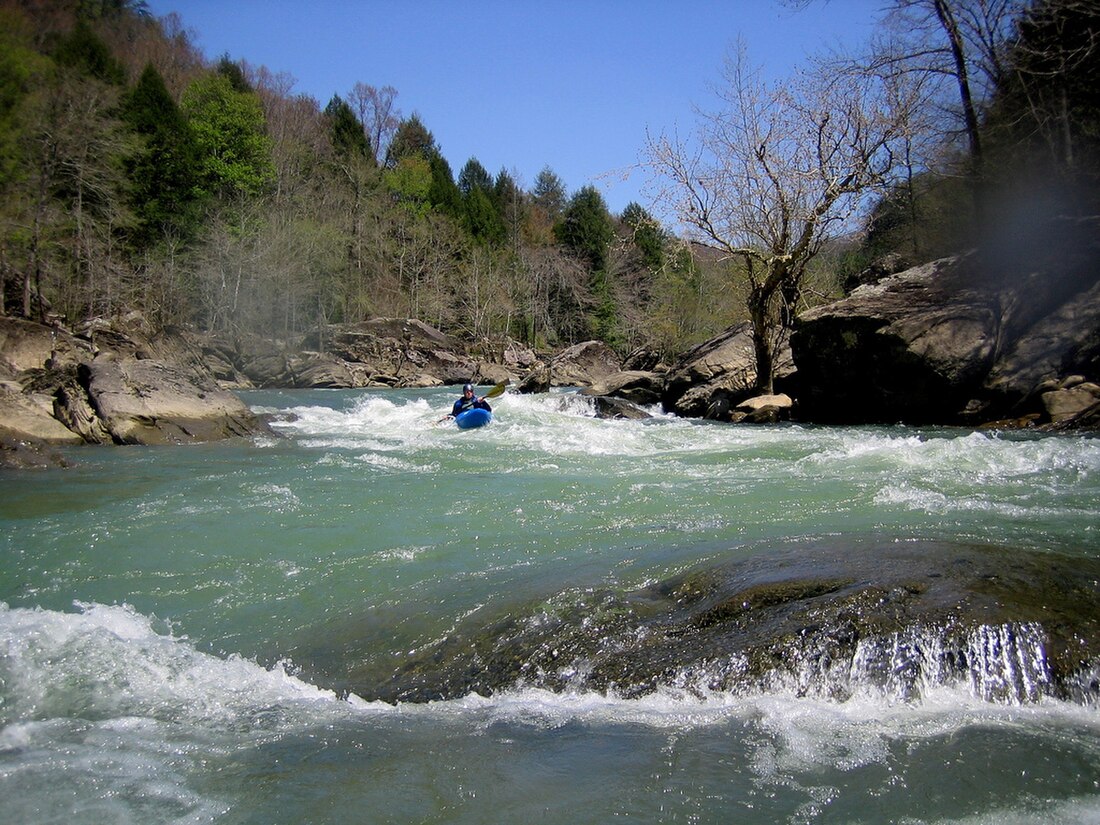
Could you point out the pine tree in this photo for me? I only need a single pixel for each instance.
(163, 183)
(474, 176)
(646, 235)
(346, 132)
(586, 228)
(83, 51)
(549, 193)
(412, 138)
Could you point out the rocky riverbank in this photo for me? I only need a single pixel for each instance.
(999, 340)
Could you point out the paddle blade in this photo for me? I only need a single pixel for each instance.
(498, 389)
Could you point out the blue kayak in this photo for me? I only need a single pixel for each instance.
(473, 418)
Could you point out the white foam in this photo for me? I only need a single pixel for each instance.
(105, 662)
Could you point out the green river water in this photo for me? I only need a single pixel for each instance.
(153, 602)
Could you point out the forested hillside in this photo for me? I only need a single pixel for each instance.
(137, 173)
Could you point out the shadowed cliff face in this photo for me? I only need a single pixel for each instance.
(890, 618)
(965, 340)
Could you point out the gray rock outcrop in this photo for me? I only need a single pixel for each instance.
(640, 387)
(107, 385)
(963, 340)
(583, 364)
(713, 378)
(153, 402)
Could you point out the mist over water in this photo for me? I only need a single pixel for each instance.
(153, 602)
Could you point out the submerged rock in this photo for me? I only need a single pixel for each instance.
(830, 621)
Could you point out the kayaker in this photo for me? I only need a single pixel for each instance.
(469, 401)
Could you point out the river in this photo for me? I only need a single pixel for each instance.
(156, 605)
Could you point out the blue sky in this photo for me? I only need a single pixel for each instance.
(569, 84)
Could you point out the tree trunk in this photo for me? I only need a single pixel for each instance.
(758, 302)
(970, 115)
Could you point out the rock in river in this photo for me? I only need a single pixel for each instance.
(889, 618)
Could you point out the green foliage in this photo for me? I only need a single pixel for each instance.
(480, 215)
(444, 194)
(481, 218)
(646, 235)
(548, 193)
(410, 182)
(82, 51)
(234, 152)
(21, 70)
(474, 176)
(586, 228)
(412, 138)
(164, 188)
(275, 218)
(346, 132)
(233, 72)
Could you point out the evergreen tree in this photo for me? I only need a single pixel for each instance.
(163, 181)
(412, 138)
(444, 194)
(233, 72)
(586, 228)
(480, 215)
(346, 132)
(473, 176)
(646, 235)
(481, 218)
(549, 193)
(85, 53)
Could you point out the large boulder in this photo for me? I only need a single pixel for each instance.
(153, 402)
(29, 417)
(26, 345)
(637, 386)
(322, 372)
(963, 340)
(836, 618)
(714, 377)
(583, 364)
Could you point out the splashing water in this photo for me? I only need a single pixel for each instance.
(156, 603)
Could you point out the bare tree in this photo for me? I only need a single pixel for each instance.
(772, 174)
(960, 42)
(377, 111)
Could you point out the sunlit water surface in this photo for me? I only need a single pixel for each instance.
(149, 598)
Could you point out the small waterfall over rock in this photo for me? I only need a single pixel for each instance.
(828, 622)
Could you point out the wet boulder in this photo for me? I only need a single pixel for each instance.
(763, 409)
(618, 409)
(637, 386)
(833, 620)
